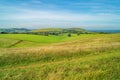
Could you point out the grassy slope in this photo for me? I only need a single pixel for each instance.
(92, 57)
(7, 42)
(60, 30)
(48, 29)
(39, 38)
(35, 40)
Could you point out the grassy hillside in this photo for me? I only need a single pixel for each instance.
(36, 40)
(29, 40)
(7, 42)
(63, 30)
(13, 30)
(84, 57)
(48, 29)
(10, 43)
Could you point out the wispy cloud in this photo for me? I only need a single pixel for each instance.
(98, 6)
(25, 14)
(40, 14)
(39, 18)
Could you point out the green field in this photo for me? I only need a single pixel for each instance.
(37, 57)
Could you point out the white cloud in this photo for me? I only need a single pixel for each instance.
(63, 16)
(46, 18)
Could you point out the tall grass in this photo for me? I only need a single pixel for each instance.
(91, 57)
(93, 67)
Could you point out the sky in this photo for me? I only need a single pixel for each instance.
(87, 14)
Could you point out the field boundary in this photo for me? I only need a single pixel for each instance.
(15, 43)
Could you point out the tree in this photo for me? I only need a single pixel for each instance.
(69, 35)
(3, 32)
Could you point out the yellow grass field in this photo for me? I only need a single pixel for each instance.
(84, 57)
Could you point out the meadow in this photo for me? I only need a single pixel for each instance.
(37, 57)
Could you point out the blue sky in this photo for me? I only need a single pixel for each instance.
(88, 14)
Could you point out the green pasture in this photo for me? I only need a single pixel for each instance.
(37, 57)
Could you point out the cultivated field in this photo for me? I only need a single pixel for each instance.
(83, 57)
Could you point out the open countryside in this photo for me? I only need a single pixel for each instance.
(92, 56)
(59, 39)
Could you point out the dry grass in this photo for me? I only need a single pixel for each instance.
(88, 58)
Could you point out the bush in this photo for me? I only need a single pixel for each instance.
(69, 35)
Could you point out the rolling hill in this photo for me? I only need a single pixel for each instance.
(85, 57)
(14, 30)
(62, 30)
(39, 57)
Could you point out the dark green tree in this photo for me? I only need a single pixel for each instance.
(69, 35)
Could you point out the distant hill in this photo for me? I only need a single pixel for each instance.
(14, 30)
(62, 30)
(44, 31)
(75, 30)
(106, 31)
(48, 30)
